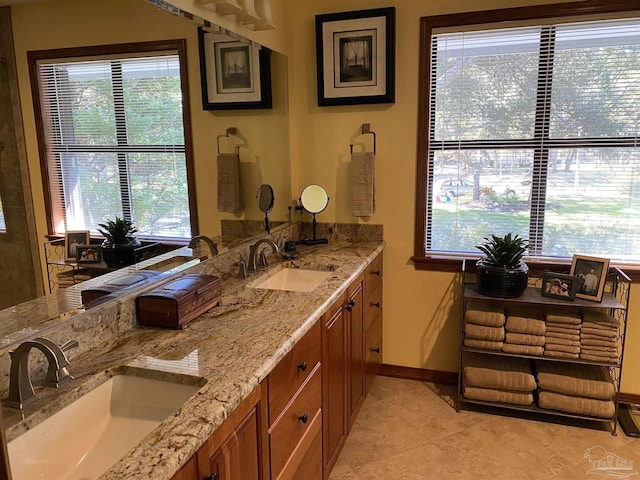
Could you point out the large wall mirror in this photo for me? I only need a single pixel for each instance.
(261, 138)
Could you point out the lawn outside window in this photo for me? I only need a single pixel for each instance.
(531, 129)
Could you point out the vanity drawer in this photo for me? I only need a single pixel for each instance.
(306, 460)
(373, 351)
(373, 305)
(373, 275)
(292, 371)
(296, 420)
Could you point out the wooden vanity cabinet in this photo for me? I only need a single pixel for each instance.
(294, 426)
(355, 320)
(351, 357)
(237, 450)
(373, 320)
(334, 383)
(295, 411)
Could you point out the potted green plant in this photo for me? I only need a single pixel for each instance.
(502, 272)
(118, 248)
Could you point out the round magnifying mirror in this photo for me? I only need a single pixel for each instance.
(314, 199)
(265, 198)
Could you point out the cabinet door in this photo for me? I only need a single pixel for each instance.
(188, 472)
(238, 458)
(334, 384)
(356, 354)
(237, 449)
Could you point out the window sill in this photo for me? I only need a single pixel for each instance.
(537, 266)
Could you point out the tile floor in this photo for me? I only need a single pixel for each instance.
(408, 430)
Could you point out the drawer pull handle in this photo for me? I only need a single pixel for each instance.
(350, 305)
(302, 366)
(213, 476)
(304, 418)
(376, 273)
(376, 304)
(377, 350)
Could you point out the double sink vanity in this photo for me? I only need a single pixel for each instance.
(265, 385)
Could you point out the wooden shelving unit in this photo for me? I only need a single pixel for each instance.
(615, 302)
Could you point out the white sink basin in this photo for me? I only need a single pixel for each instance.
(86, 438)
(293, 280)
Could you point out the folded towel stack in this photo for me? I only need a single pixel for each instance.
(484, 325)
(599, 337)
(578, 389)
(494, 379)
(562, 334)
(525, 333)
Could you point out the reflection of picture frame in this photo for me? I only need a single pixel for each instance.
(235, 74)
(559, 285)
(88, 254)
(355, 57)
(593, 272)
(72, 239)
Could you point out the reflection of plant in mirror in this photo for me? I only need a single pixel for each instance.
(118, 232)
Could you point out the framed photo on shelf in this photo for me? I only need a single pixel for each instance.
(235, 74)
(559, 285)
(355, 57)
(72, 239)
(88, 254)
(593, 273)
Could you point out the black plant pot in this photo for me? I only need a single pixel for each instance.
(502, 282)
(118, 256)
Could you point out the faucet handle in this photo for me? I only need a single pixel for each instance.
(262, 260)
(242, 268)
(57, 373)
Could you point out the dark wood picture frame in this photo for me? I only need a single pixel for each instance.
(355, 57)
(247, 89)
(559, 285)
(72, 240)
(587, 268)
(86, 254)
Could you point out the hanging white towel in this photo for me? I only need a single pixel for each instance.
(363, 185)
(229, 190)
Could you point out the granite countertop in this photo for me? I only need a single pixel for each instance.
(232, 348)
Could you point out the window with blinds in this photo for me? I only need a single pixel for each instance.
(114, 141)
(534, 130)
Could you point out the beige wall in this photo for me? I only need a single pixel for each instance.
(421, 308)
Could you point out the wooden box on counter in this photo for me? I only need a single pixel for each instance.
(178, 301)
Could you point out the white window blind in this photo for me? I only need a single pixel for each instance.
(114, 137)
(3, 226)
(534, 130)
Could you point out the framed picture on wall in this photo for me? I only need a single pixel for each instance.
(593, 273)
(235, 74)
(355, 57)
(73, 239)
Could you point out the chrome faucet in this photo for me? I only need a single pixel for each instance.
(20, 387)
(254, 252)
(213, 248)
